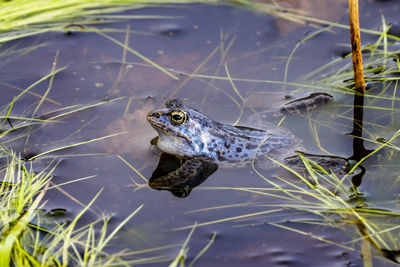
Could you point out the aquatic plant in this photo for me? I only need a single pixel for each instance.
(25, 236)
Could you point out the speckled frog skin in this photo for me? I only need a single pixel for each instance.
(185, 132)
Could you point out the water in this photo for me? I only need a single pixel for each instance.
(200, 40)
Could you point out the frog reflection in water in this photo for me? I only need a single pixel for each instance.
(202, 143)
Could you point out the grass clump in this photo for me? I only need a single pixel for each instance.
(24, 238)
(21, 194)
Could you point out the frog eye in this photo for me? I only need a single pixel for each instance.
(178, 117)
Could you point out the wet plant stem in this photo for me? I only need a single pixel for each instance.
(359, 150)
(356, 46)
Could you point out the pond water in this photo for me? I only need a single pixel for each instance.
(201, 46)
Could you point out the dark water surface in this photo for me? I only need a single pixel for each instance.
(200, 39)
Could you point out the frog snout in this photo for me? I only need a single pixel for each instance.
(152, 115)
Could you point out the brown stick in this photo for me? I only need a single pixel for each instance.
(356, 46)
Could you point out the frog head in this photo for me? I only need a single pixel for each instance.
(182, 130)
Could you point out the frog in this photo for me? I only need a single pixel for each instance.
(187, 133)
(199, 141)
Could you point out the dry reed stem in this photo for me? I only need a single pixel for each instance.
(356, 46)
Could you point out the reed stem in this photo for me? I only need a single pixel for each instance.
(356, 46)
